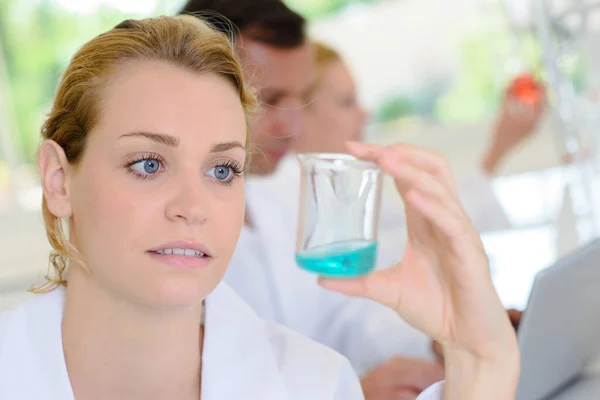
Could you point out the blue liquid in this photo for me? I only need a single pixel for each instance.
(348, 259)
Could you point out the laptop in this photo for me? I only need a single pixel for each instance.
(559, 333)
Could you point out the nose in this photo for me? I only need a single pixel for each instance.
(188, 203)
(364, 115)
(289, 122)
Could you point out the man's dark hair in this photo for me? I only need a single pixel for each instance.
(267, 21)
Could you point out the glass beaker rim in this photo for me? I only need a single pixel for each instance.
(338, 158)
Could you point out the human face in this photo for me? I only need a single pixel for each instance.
(283, 78)
(335, 116)
(161, 170)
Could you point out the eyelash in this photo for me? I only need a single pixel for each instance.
(237, 169)
(145, 157)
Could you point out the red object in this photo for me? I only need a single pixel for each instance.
(526, 89)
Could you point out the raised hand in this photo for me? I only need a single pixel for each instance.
(442, 286)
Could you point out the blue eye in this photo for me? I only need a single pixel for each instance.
(225, 173)
(221, 173)
(146, 167)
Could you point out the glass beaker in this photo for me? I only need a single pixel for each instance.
(338, 217)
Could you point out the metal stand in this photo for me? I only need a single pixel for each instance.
(561, 33)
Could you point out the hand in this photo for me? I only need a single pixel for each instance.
(401, 378)
(517, 120)
(513, 315)
(442, 286)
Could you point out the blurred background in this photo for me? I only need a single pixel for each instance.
(430, 72)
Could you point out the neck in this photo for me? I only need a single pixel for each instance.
(119, 350)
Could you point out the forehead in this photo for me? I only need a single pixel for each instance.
(269, 66)
(337, 76)
(163, 98)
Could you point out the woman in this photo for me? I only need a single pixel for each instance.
(143, 158)
(335, 116)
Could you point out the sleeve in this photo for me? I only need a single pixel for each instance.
(348, 387)
(434, 392)
(367, 333)
(479, 200)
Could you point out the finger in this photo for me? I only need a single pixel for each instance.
(402, 154)
(438, 215)
(408, 178)
(424, 159)
(365, 151)
(457, 234)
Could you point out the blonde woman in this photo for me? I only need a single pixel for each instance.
(143, 159)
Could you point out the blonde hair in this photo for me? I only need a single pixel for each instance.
(324, 56)
(185, 41)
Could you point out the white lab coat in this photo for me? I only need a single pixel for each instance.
(244, 357)
(264, 273)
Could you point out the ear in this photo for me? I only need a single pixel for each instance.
(54, 166)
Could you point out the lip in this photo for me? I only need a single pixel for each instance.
(277, 153)
(181, 261)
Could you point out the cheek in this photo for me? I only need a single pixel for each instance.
(229, 210)
(336, 121)
(348, 122)
(227, 219)
(107, 212)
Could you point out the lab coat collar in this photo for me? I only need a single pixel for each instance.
(238, 358)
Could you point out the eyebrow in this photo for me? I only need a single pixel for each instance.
(167, 140)
(172, 141)
(221, 147)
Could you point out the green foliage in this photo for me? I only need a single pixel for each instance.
(39, 38)
(313, 9)
(477, 89)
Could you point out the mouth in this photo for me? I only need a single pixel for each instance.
(182, 255)
(181, 252)
(277, 153)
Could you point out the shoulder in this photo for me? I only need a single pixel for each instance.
(307, 365)
(306, 369)
(9, 322)
(34, 314)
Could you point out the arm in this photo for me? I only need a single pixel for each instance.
(517, 121)
(479, 200)
(367, 333)
(442, 286)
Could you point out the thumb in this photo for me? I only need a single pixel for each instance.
(350, 286)
(379, 286)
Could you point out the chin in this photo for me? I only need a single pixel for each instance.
(178, 292)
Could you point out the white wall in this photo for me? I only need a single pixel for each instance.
(398, 43)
